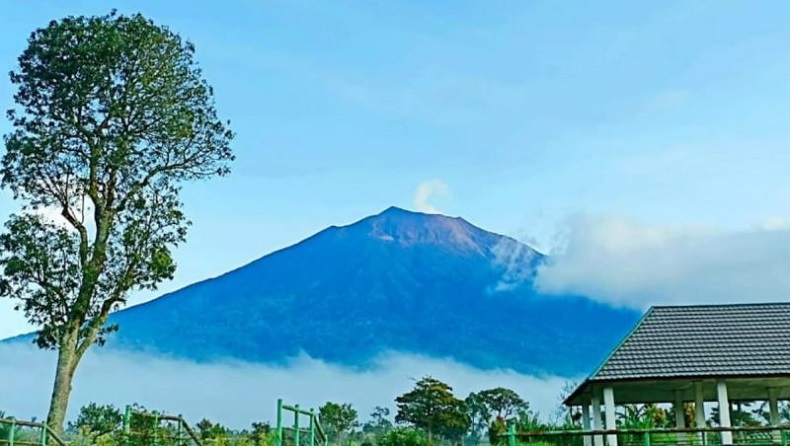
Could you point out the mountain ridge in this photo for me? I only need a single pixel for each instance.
(396, 281)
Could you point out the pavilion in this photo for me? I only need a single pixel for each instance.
(692, 354)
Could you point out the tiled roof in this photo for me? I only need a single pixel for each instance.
(704, 341)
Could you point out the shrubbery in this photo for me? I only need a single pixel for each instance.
(403, 437)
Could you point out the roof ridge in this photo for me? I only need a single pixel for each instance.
(730, 305)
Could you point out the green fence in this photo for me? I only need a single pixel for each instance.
(711, 436)
(157, 429)
(27, 433)
(305, 430)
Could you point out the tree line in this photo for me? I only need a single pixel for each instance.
(429, 414)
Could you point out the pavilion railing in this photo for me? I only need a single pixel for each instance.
(709, 436)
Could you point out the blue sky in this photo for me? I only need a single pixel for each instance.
(673, 113)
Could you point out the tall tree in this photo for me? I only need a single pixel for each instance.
(431, 406)
(338, 419)
(479, 414)
(112, 117)
(502, 402)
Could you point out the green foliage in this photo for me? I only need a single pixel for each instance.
(261, 433)
(761, 412)
(479, 416)
(403, 437)
(643, 416)
(502, 402)
(496, 431)
(149, 427)
(741, 415)
(529, 421)
(5, 429)
(432, 406)
(536, 443)
(337, 419)
(112, 117)
(97, 420)
(211, 431)
(379, 422)
(490, 409)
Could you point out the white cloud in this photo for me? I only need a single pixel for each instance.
(625, 262)
(236, 394)
(426, 192)
(774, 224)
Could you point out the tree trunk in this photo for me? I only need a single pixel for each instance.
(61, 390)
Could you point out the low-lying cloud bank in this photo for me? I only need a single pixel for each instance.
(635, 264)
(236, 394)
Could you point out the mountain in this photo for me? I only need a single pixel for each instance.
(397, 281)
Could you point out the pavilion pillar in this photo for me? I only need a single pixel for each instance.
(680, 414)
(699, 410)
(611, 418)
(724, 411)
(597, 420)
(586, 423)
(773, 408)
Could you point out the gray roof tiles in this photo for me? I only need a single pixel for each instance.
(705, 340)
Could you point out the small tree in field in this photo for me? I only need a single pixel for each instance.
(431, 406)
(112, 118)
(338, 419)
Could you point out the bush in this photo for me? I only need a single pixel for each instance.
(403, 437)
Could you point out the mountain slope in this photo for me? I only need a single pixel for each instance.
(397, 281)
